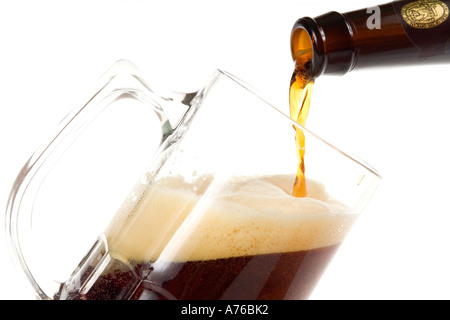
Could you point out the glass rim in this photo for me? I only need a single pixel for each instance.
(258, 94)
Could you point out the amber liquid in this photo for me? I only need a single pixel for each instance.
(302, 84)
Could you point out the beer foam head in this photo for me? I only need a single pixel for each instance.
(244, 216)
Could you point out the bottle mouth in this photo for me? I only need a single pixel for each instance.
(326, 41)
(306, 46)
(301, 46)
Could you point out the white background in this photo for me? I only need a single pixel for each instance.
(395, 119)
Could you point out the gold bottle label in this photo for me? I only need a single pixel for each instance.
(425, 14)
(427, 25)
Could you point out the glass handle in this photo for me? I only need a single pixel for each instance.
(121, 80)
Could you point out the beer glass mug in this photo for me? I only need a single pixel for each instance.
(202, 211)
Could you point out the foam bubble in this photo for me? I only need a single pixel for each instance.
(177, 221)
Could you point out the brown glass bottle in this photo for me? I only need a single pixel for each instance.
(396, 33)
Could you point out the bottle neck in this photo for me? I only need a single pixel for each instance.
(379, 36)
